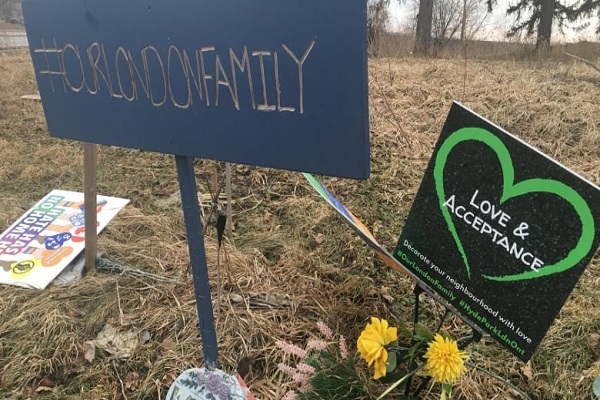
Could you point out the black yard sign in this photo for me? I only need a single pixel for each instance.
(500, 230)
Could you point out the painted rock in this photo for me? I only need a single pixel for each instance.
(204, 384)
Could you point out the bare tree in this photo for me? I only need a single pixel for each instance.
(377, 19)
(424, 26)
(447, 21)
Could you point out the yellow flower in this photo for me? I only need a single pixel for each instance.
(371, 344)
(445, 362)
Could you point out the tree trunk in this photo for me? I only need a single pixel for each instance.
(463, 24)
(542, 45)
(424, 22)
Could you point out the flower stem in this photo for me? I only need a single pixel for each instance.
(398, 382)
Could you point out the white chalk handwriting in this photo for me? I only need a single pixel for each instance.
(205, 76)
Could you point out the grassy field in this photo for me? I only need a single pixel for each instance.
(290, 261)
(11, 27)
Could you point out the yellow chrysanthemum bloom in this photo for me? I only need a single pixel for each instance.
(445, 362)
(371, 344)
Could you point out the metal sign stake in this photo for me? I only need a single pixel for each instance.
(193, 226)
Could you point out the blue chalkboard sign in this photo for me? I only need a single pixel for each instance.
(276, 83)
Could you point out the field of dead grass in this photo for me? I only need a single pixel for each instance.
(11, 27)
(290, 261)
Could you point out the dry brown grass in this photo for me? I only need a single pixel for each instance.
(11, 27)
(291, 261)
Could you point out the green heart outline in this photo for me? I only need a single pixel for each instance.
(511, 190)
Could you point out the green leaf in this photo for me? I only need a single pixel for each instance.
(447, 388)
(391, 362)
(403, 330)
(596, 387)
(422, 332)
(395, 384)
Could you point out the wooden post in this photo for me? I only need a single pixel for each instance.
(90, 192)
(229, 199)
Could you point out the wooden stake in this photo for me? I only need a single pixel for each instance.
(90, 192)
(229, 199)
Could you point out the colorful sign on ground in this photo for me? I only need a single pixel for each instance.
(357, 226)
(276, 83)
(40, 244)
(499, 230)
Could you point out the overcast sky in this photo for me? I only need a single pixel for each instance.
(496, 24)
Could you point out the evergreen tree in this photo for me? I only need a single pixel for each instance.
(540, 15)
(588, 8)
